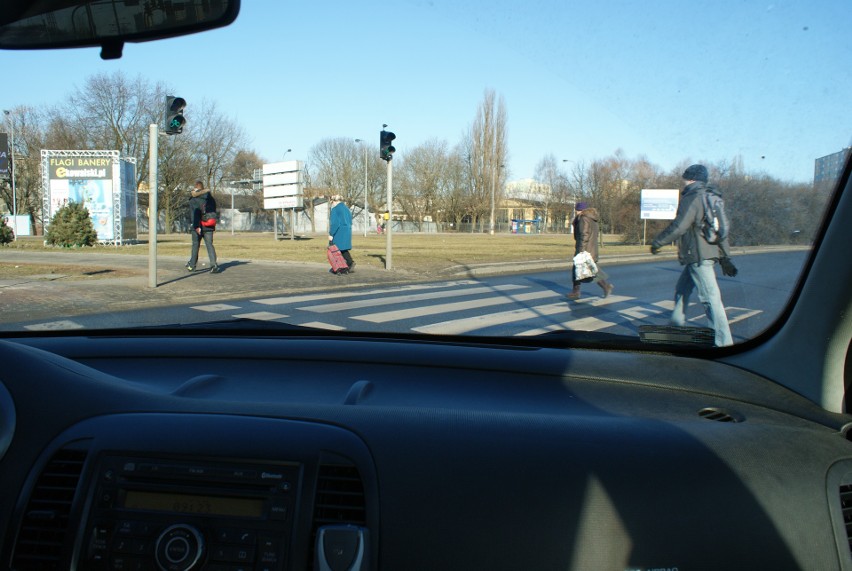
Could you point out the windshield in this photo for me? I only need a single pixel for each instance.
(635, 172)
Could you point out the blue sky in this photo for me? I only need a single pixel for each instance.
(672, 81)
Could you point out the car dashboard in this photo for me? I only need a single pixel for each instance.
(222, 453)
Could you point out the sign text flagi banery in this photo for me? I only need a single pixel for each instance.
(283, 185)
(102, 181)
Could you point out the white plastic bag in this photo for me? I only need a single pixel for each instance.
(585, 268)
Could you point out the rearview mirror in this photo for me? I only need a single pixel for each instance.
(44, 24)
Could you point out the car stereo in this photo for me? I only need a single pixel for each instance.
(179, 515)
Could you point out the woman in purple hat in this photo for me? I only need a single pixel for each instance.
(586, 231)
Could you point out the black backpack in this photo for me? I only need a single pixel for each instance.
(715, 226)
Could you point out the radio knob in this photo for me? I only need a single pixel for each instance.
(179, 548)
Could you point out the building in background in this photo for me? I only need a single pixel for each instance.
(827, 169)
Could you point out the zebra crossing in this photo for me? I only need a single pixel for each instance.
(459, 307)
(456, 307)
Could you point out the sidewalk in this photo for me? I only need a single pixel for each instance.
(57, 295)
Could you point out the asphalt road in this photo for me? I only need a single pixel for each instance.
(518, 304)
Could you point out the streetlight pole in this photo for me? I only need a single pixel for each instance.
(14, 190)
(366, 218)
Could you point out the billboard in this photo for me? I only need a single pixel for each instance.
(99, 180)
(283, 185)
(659, 203)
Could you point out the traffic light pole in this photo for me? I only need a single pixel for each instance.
(153, 134)
(389, 228)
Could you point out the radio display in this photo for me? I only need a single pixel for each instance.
(193, 504)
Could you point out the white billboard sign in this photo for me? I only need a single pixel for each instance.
(283, 184)
(659, 203)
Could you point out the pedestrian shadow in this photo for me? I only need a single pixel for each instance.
(196, 273)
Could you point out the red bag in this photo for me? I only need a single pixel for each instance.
(338, 263)
(209, 220)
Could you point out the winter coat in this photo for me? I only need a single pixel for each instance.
(198, 205)
(586, 229)
(340, 226)
(686, 228)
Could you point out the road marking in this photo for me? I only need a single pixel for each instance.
(747, 313)
(582, 324)
(373, 302)
(400, 314)
(321, 325)
(215, 307)
(585, 322)
(337, 295)
(54, 326)
(466, 325)
(260, 316)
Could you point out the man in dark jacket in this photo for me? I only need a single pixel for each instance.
(697, 256)
(586, 231)
(201, 202)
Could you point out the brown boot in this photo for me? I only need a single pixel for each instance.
(575, 293)
(606, 287)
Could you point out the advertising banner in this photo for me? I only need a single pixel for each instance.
(659, 203)
(87, 180)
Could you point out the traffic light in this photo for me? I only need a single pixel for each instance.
(174, 114)
(385, 147)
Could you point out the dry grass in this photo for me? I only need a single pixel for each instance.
(417, 252)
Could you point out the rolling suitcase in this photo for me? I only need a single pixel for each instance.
(335, 258)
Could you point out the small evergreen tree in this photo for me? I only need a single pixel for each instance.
(71, 226)
(6, 232)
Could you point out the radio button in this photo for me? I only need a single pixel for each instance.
(128, 564)
(233, 535)
(179, 548)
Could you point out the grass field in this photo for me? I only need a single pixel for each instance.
(415, 252)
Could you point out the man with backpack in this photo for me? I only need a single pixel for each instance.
(202, 210)
(699, 249)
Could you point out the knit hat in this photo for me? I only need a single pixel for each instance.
(696, 172)
(581, 206)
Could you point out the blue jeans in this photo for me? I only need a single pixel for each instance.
(702, 277)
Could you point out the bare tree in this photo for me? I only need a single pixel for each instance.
(422, 180)
(27, 124)
(488, 153)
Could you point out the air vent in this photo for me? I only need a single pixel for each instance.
(719, 415)
(846, 506)
(340, 496)
(339, 499)
(42, 535)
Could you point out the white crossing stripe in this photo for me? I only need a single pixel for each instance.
(260, 316)
(585, 322)
(747, 313)
(400, 314)
(215, 307)
(466, 325)
(321, 325)
(639, 312)
(54, 326)
(582, 324)
(361, 303)
(337, 295)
